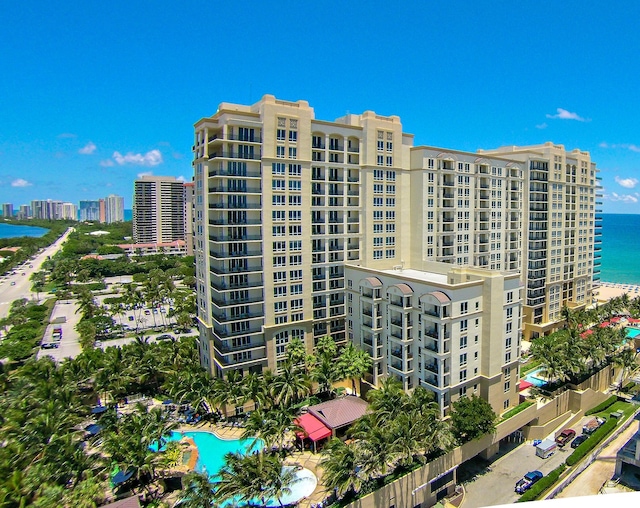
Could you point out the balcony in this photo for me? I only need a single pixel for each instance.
(235, 206)
(235, 190)
(235, 155)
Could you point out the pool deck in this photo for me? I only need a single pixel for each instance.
(305, 459)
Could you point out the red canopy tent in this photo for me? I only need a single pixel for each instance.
(524, 385)
(313, 428)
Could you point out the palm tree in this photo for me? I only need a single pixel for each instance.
(352, 364)
(290, 385)
(197, 491)
(389, 400)
(627, 360)
(341, 464)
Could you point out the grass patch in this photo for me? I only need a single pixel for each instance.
(620, 405)
(515, 410)
(527, 367)
(593, 440)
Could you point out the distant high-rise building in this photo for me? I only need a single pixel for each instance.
(158, 210)
(89, 210)
(114, 209)
(67, 211)
(7, 210)
(188, 216)
(24, 212)
(53, 210)
(103, 211)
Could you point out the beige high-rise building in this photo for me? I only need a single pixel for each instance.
(114, 209)
(561, 238)
(283, 202)
(158, 210)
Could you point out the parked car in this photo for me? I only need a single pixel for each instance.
(13, 282)
(166, 336)
(527, 481)
(131, 318)
(565, 436)
(579, 440)
(592, 425)
(147, 312)
(50, 345)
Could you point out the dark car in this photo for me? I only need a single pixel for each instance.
(166, 337)
(579, 440)
(50, 345)
(527, 481)
(565, 436)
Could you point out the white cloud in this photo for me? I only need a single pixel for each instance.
(20, 182)
(88, 149)
(145, 173)
(107, 163)
(628, 183)
(542, 125)
(151, 158)
(181, 178)
(67, 135)
(625, 198)
(625, 146)
(563, 114)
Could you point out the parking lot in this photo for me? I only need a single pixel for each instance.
(496, 486)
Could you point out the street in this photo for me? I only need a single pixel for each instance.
(21, 275)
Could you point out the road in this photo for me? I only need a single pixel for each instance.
(22, 287)
(496, 487)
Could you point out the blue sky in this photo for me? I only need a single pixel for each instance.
(94, 93)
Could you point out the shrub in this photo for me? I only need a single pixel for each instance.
(592, 441)
(602, 406)
(515, 410)
(542, 485)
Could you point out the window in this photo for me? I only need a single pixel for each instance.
(510, 297)
(295, 230)
(377, 254)
(377, 215)
(390, 215)
(279, 246)
(507, 342)
(391, 189)
(463, 359)
(296, 289)
(378, 174)
(279, 291)
(380, 160)
(295, 215)
(463, 325)
(507, 357)
(389, 146)
(464, 307)
(507, 386)
(377, 228)
(295, 185)
(295, 169)
(293, 136)
(391, 228)
(463, 375)
(378, 188)
(377, 241)
(295, 274)
(389, 161)
(278, 215)
(279, 260)
(278, 185)
(391, 175)
(279, 320)
(280, 134)
(278, 200)
(463, 342)
(295, 245)
(279, 230)
(295, 260)
(506, 403)
(391, 201)
(377, 201)
(390, 253)
(293, 152)
(277, 168)
(296, 304)
(280, 152)
(280, 306)
(295, 200)
(279, 276)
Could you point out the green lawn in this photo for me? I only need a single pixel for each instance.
(626, 407)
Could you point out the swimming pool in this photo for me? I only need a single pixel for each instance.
(303, 486)
(212, 449)
(632, 333)
(534, 379)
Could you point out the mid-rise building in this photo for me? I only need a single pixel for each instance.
(53, 210)
(283, 202)
(89, 210)
(114, 209)
(189, 195)
(158, 210)
(7, 210)
(67, 211)
(24, 212)
(454, 330)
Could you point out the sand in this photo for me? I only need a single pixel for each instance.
(609, 290)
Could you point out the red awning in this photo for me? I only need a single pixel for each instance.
(604, 324)
(586, 333)
(314, 429)
(524, 385)
(615, 320)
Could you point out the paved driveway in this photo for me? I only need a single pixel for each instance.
(70, 343)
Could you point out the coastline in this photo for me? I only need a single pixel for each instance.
(609, 290)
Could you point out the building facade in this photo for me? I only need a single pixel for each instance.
(561, 238)
(7, 210)
(158, 210)
(283, 202)
(454, 330)
(89, 210)
(114, 209)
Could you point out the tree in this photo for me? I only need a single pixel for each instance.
(197, 491)
(341, 464)
(471, 418)
(352, 364)
(626, 359)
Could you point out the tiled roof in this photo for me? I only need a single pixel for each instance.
(405, 288)
(440, 296)
(374, 281)
(339, 412)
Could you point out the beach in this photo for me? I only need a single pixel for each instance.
(609, 290)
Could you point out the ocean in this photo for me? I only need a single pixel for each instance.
(13, 231)
(128, 214)
(620, 248)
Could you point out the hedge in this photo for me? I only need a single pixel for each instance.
(515, 410)
(602, 406)
(542, 485)
(592, 441)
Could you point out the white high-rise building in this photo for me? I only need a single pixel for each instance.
(158, 210)
(114, 209)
